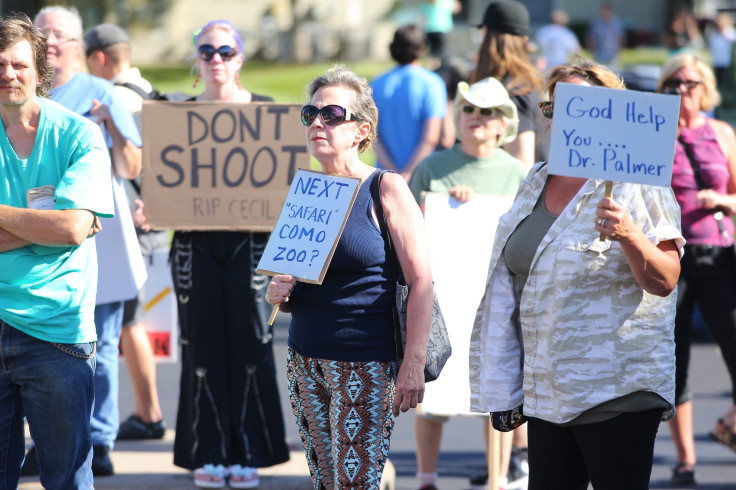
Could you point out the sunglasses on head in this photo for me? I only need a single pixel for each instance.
(207, 52)
(332, 115)
(547, 107)
(484, 111)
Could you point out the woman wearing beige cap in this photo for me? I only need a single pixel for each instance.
(485, 120)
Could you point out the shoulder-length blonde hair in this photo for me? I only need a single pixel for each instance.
(711, 97)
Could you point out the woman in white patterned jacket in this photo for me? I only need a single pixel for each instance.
(574, 333)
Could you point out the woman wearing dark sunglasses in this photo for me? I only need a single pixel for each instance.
(704, 181)
(229, 421)
(345, 391)
(575, 333)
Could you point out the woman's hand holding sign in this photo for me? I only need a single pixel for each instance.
(613, 221)
(279, 289)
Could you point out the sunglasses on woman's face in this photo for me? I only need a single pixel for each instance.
(484, 111)
(207, 52)
(673, 86)
(332, 115)
(547, 107)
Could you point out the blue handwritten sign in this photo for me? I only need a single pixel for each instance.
(615, 135)
(309, 226)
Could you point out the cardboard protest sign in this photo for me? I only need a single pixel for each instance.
(216, 166)
(309, 226)
(613, 135)
(460, 240)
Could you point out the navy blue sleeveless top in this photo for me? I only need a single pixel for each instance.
(349, 317)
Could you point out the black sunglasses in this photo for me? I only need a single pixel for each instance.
(332, 115)
(547, 107)
(484, 111)
(207, 52)
(677, 83)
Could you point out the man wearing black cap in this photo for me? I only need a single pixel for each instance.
(107, 47)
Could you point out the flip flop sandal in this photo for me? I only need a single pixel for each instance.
(211, 476)
(724, 434)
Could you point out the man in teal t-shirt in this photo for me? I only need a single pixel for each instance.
(54, 182)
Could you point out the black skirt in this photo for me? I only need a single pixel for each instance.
(229, 406)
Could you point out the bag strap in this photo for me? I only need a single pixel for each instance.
(395, 266)
(376, 194)
(138, 90)
(717, 214)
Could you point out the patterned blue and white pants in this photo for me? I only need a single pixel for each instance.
(344, 414)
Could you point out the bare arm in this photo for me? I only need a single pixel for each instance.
(53, 227)
(710, 199)
(523, 148)
(425, 147)
(127, 158)
(406, 226)
(655, 267)
(8, 241)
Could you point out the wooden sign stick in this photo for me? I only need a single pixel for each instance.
(609, 192)
(273, 313)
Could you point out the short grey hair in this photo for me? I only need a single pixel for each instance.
(364, 108)
(72, 15)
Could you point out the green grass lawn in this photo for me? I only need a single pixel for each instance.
(285, 83)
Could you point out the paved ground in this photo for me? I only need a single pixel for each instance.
(148, 465)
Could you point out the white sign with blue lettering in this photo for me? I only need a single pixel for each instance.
(614, 135)
(309, 226)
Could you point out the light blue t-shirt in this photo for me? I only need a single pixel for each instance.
(406, 97)
(77, 95)
(49, 292)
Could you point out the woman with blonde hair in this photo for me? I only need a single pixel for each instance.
(704, 181)
(590, 321)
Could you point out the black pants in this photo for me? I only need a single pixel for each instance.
(612, 455)
(708, 276)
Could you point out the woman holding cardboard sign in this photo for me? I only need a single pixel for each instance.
(229, 421)
(345, 391)
(704, 181)
(575, 334)
(485, 119)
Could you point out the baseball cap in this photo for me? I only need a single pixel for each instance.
(490, 93)
(507, 16)
(104, 36)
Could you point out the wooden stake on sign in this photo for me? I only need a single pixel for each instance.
(273, 313)
(609, 192)
(494, 456)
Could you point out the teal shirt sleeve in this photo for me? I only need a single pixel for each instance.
(87, 181)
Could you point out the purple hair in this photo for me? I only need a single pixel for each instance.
(220, 23)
